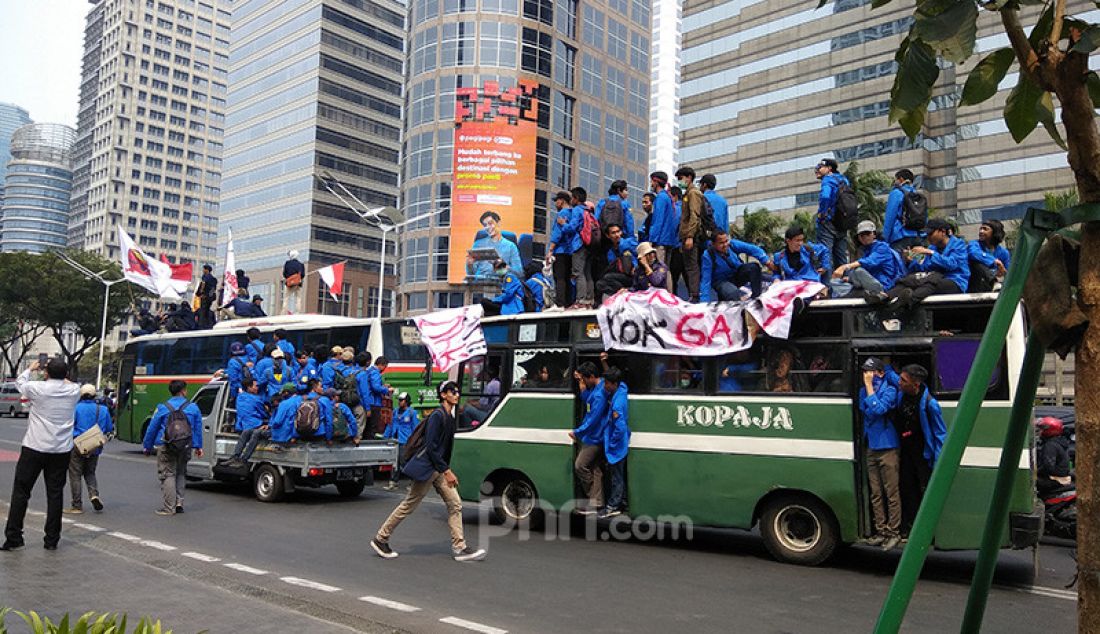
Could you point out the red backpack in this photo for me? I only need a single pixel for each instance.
(590, 230)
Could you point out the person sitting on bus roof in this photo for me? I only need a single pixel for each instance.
(240, 305)
(236, 368)
(510, 299)
(279, 337)
(621, 262)
(180, 318)
(277, 374)
(724, 273)
(251, 421)
(400, 428)
(876, 399)
(282, 421)
(537, 282)
(254, 348)
(944, 269)
(800, 259)
(331, 367)
(651, 272)
(988, 259)
(257, 306)
(616, 441)
(877, 271)
(590, 434)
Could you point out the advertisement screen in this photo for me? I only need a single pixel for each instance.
(493, 193)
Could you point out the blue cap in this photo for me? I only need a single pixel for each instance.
(236, 349)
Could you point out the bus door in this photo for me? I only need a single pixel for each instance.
(897, 354)
(474, 378)
(124, 410)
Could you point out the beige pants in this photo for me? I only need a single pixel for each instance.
(882, 474)
(590, 473)
(412, 500)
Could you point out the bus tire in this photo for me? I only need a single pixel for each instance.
(515, 501)
(267, 483)
(799, 529)
(351, 488)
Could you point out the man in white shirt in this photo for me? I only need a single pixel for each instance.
(46, 448)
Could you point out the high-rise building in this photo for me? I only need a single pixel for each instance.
(150, 125)
(664, 103)
(771, 87)
(587, 67)
(12, 117)
(34, 215)
(315, 98)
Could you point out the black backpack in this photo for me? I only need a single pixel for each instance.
(348, 387)
(707, 223)
(612, 214)
(530, 304)
(846, 211)
(914, 210)
(307, 419)
(177, 431)
(417, 438)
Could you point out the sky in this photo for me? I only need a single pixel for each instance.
(41, 45)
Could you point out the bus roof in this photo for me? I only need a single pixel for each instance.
(265, 324)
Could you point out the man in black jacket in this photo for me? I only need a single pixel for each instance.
(294, 276)
(429, 466)
(208, 294)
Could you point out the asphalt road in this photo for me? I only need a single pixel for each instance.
(309, 558)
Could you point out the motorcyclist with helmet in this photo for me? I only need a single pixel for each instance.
(1054, 471)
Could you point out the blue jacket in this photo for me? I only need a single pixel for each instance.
(566, 238)
(893, 228)
(325, 427)
(288, 351)
(154, 435)
(282, 422)
(259, 371)
(310, 369)
(806, 269)
(251, 412)
(242, 308)
(877, 428)
(952, 261)
(718, 268)
(628, 218)
(254, 350)
(535, 283)
(883, 263)
(931, 418)
(977, 252)
(626, 244)
(593, 426)
(402, 426)
(826, 202)
(234, 371)
(664, 228)
(732, 383)
(353, 423)
(617, 437)
(89, 413)
(271, 384)
(376, 386)
(721, 209)
(511, 295)
(328, 372)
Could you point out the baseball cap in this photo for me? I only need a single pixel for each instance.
(236, 349)
(87, 390)
(867, 226)
(404, 396)
(873, 364)
(336, 350)
(277, 353)
(347, 355)
(448, 386)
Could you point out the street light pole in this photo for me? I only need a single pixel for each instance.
(107, 284)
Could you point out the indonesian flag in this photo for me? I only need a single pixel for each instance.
(181, 275)
(333, 276)
(229, 285)
(144, 271)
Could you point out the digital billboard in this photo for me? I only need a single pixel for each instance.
(493, 192)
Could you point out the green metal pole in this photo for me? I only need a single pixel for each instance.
(1019, 426)
(943, 476)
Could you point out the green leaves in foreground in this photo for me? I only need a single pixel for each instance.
(912, 90)
(88, 623)
(986, 76)
(1027, 106)
(950, 28)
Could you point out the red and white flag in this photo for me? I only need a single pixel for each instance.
(144, 271)
(333, 276)
(181, 275)
(229, 281)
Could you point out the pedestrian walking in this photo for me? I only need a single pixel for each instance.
(45, 451)
(429, 466)
(174, 432)
(88, 414)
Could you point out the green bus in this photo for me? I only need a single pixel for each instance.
(767, 436)
(150, 362)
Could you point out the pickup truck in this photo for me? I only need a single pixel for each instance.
(275, 470)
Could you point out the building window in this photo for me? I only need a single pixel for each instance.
(497, 44)
(616, 86)
(457, 47)
(593, 28)
(636, 144)
(537, 52)
(614, 135)
(424, 50)
(616, 39)
(565, 64)
(561, 165)
(639, 98)
(413, 301)
(449, 300)
(422, 103)
(567, 18)
(639, 52)
(542, 159)
(564, 108)
(541, 10)
(639, 13)
(592, 76)
(589, 171)
(459, 6)
(415, 260)
(441, 258)
(506, 7)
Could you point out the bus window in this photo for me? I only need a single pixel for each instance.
(495, 333)
(180, 355)
(354, 336)
(970, 320)
(150, 355)
(635, 368)
(680, 374)
(401, 341)
(482, 388)
(872, 322)
(740, 371)
(818, 323)
(541, 369)
(953, 360)
(781, 361)
(209, 354)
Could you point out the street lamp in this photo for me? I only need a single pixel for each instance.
(107, 284)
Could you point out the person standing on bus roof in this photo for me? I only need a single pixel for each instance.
(88, 414)
(294, 277)
(919, 420)
(400, 428)
(430, 467)
(331, 367)
(616, 440)
(876, 399)
(564, 241)
(590, 434)
(378, 391)
(172, 464)
(251, 421)
(279, 337)
(255, 346)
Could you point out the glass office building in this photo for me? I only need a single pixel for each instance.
(315, 92)
(591, 61)
(34, 215)
(12, 117)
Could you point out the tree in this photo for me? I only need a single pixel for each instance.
(763, 228)
(18, 327)
(1053, 62)
(1059, 200)
(869, 186)
(808, 221)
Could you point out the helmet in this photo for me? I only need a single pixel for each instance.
(1049, 427)
(404, 396)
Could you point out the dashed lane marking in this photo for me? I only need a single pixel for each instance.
(393, 605)
(243, 568)
(1053, 593)
(157, 545)
(306, 583)
(89, 527)
(201, 557)
(472, 625)
(125, 536)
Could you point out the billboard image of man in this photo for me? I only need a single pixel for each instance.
(493, 239)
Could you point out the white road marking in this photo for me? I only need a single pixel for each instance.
(157, 545)
(243, 568)
(201, 557)
(306, 583)
(36, 513)
(471, 625)
(90, 527)
(125, 536)
(66, 520)
(393, 605)
(1053, 593)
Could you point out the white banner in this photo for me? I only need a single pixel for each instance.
(453, 335)
(658, 322)
(229, 277)
(144, 271)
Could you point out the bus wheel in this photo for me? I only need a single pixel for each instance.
(516, 501)
(350, 488)
(799, 530)
(268, 484)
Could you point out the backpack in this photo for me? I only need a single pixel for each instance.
(177, 431)
(339, 423)
(590, 230)
(416, 439)
(307, 419)
(846, 210)
(707, 224)
(548, 296)
(348, 387)
(612, 214)
(914, 210)
(530, 304)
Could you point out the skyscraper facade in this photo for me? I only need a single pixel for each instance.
(771, 87)
(12, 117)
(314, 103)
(34, 215)
(588, 67)
(150, 126)
(664, 106)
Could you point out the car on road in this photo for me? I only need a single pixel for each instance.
(12, 402)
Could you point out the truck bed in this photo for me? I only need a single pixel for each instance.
(369, 453)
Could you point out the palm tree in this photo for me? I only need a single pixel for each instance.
(869, 186)
(1055, 201)
(808, 221)
(763, 228)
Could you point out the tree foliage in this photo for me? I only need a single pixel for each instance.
(869, 187)
(763, 228)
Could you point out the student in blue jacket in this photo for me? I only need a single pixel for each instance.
(88, 414)
(616, 440)
(275, 374)
(510, 299)
(400, 428)
(800, 260)
(564, 242)
(876, 399)
(236, 368)
(255, 346)
(988, 258)
(664, 222)
(251, 421)
(282, 421)
(724, 273)
(944, 269)
(172, 465)
(877, 271)
(590, 434)
(919, 421)
(893, 227)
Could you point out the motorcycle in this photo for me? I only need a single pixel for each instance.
(1055, 484)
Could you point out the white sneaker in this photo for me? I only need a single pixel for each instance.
(469, 554)
(383, 549)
